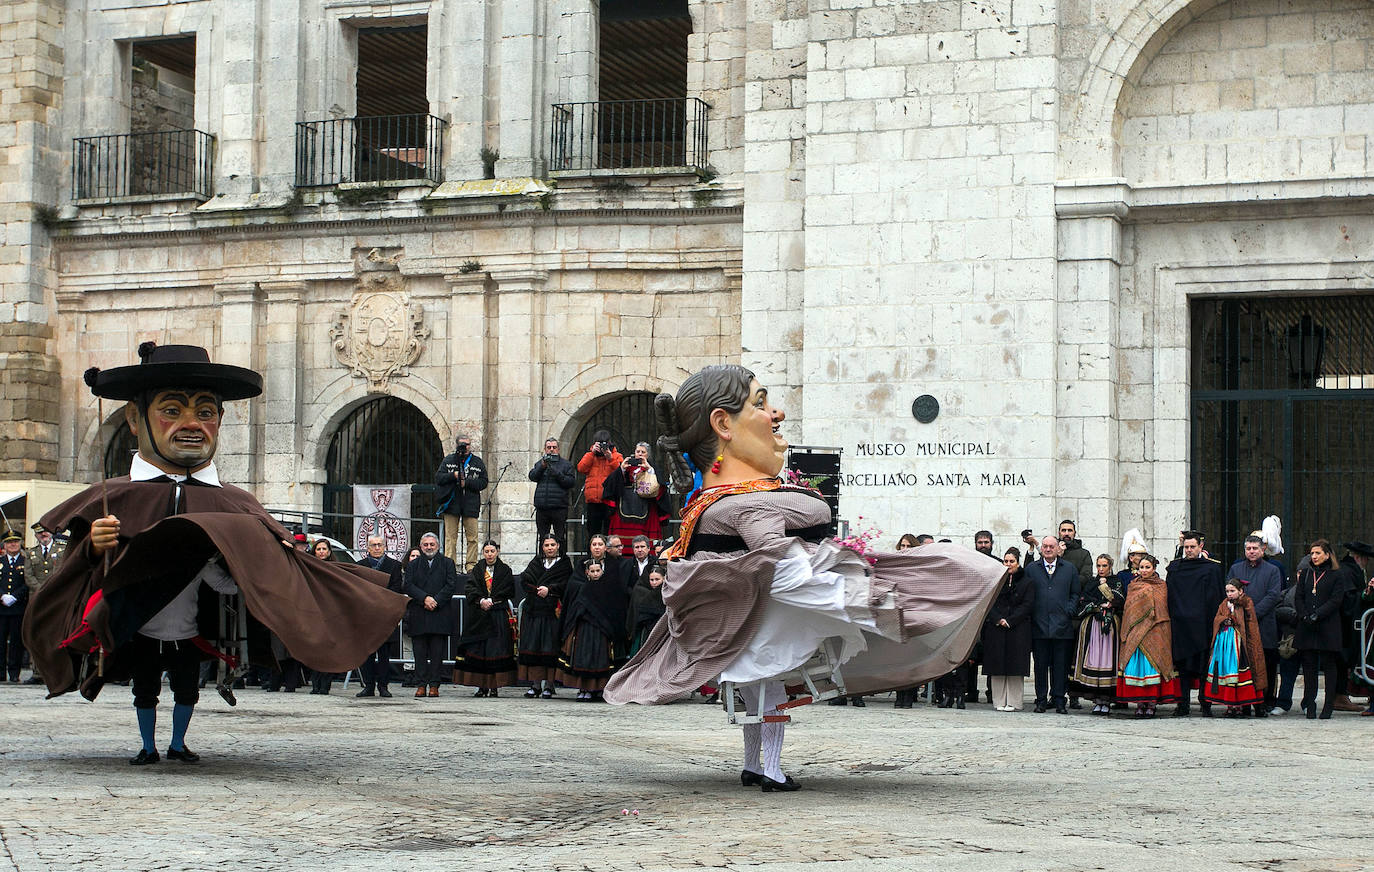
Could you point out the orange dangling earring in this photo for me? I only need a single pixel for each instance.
(715, 467)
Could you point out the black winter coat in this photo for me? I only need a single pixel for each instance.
(1007, 651)
(553, 482)
(1196, 588)
(438, 579)
(461, 483)
(1323, 632)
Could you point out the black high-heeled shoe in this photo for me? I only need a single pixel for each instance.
(479, 692)
(1326, 712)
(1311, 709)
(750, 779)
(769, 785)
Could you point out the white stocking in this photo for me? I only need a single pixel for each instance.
(764, 737)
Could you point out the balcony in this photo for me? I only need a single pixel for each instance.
(629, 134)
(171, 163)
(392, 148)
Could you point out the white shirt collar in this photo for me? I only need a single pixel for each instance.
(1050, 564)
(142, 470)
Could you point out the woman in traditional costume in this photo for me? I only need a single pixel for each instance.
(1235, 673)
(638, 501)
(594, 632)
(755, 585)
(544, 581)
(1094, 665)
(1007, 636)
(1147, 677)
(486, 649)
(646, 602)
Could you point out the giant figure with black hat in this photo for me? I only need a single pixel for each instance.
(144, 548)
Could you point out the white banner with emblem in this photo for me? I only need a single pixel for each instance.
(382, 510)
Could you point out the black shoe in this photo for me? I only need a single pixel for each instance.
(531, 693)
(1206, 709)
(144, 758)
(750, 779)
(959, 703)
(492, 693)
(270, 688)
(185, 755)
(32, 680)
(384, 693)
(548, 693)
(1326, 711)
(479, 692)
(366, 691)
(769, 785)
(858, 702)
(1061, 709)
(840, 700)
(989, 696)
(1075, 704)
(1180, 711)
(1310, 709)
(1039, 708)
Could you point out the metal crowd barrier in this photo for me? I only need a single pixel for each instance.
(1364, 625)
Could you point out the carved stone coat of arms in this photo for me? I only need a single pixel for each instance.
(380, 335)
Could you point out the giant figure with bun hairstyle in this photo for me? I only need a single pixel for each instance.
(755, 585)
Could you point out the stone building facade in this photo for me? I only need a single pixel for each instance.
(1017, 209)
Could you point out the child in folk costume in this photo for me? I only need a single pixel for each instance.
(1235, 673)
(486, 649)
(544, 580)
(593, 632)
(1094, 665)
(1147, 676)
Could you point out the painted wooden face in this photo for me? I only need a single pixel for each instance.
(182, 424)
(754, 437)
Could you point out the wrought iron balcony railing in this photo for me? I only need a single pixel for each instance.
(389, 148)
(143, 164)
(625, 134)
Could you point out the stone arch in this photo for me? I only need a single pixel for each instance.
(90, 460)
(586, 398)
(343, 398)
(1120, 54)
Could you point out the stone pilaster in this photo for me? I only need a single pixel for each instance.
(31, 70)
(515, 417)
(240, 439)
(283, 393)
(1088, 282)
(462, 30)
(521, 95)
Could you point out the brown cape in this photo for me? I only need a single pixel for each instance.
(1247, 635)
(1145, 625)
(329, 615)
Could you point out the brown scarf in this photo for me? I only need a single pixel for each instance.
(1145, 625)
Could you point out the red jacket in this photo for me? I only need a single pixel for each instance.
(596, 468)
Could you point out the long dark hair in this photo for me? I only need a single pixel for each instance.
(686, 419)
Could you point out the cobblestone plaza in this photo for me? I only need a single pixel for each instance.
(289, 782)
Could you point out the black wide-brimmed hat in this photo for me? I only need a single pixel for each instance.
(173, 366)
(1358, 547)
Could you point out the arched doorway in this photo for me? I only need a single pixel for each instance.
(383, 441)
(629, 418)
(119, 452)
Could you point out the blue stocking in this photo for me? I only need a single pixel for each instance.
(181, 719)
(147, 720)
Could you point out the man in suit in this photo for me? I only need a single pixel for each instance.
(1057, 585)
(39, 562)
(376, 669)
(14, 595)
(431, 580)
(1196, 587)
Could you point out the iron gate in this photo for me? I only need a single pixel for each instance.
(384, 441)
(1283, 397)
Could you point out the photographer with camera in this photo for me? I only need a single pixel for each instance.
(554, 478)
(601, 460)
(639, 502)
(459, 482)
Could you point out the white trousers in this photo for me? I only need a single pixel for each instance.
(1008, 690)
